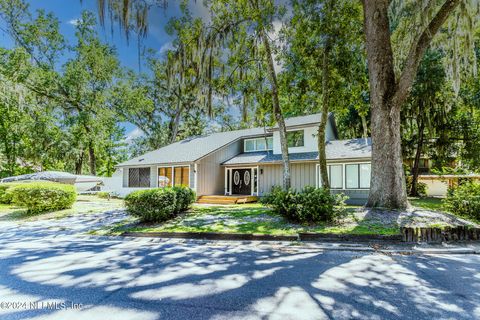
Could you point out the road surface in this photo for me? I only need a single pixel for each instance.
(49, 271)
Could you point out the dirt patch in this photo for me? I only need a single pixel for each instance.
(413, 217)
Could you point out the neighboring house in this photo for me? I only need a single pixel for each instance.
(249, 162)
(82, 183)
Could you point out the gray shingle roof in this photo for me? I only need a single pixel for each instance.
(194, 148)
(191, 149)
(336, 150)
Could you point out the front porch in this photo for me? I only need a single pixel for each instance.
(221, 199)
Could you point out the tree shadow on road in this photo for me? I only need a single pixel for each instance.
(200, 280)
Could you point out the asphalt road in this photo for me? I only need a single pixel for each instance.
(47, 271)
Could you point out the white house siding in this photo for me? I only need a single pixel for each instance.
(125, 190)
(210, 172)
(310, 136)
(303, 174)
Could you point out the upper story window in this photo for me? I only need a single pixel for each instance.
(139, 177)
(296, 138)
(258, 144)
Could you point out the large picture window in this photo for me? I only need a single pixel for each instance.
(295, 138)
(335, 175)
(173, 176)
(139, 177)
(258, 144)
(357, 176)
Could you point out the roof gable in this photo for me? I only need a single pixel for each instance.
(195, 148)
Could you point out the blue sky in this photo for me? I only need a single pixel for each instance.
(67, 11)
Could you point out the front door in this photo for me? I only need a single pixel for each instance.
(242, 181)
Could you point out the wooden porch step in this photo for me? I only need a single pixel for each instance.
(217, 199)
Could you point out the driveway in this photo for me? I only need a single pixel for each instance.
(49, 270)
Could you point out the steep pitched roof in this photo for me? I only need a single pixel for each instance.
(191, 149)
(336, 150)
(194, 148)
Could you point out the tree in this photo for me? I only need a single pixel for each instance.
(228, 17)
(389, 91)
(62, 112)
(426, 114)
(325, 60)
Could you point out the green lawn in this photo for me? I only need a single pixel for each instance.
(85, 204)
(251, 219)
(431, 203)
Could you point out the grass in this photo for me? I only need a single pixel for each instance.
(250, 219)
(429, 203)
(85, 204)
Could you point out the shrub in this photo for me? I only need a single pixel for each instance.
(6, 197)
(421, 187)
(103, 195)
(308, 206)
(464, 200)
(185, 197)
(40, 197)
(152, 205)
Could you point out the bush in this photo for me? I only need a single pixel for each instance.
(464, 200)
(421, 187)
(311, 205)
(153, 205)
(103, 195)
(5, 197)
(185, 197)
(40, 197)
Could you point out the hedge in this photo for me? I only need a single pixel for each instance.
(5, 197)
(311, 205)
(40, 197)
(160, 204)
(464, 200)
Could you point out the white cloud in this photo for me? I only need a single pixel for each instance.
(74, 22)
(165, 47)
(132, 135)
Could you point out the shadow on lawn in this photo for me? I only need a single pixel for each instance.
(193, 280)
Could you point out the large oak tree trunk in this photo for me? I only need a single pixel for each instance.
(388, 183)
(277, 112)
(387, 96)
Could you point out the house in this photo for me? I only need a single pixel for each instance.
(249, 162)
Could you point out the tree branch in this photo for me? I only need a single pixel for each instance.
(417, 50)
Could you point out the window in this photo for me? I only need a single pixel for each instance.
(250, 145)
(357, 176)
(258, 144)
(182, 176)
(295, 138)
(139, 177)
(165, 177)
(335, 175)
(365, 174)
(173, 176)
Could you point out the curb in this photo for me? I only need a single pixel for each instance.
(211, 236)
(316, 237)
(333, 237)
(307, 245)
